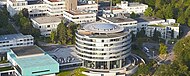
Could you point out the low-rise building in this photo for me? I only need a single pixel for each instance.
(167, 31)
(79, 17)
(15, 40)
(37, 7)
(142, 22)
(46, 24)
(32, 61)
(127, 23)
(135, 7)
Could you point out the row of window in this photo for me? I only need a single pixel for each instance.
(17, 44)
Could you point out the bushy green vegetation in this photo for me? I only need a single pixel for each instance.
(181, 64)
(178, 9)
(65, 34)
(25, 24)
(75, 72)
(5, 27)
(145, 69)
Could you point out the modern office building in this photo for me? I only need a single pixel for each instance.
(37, 7)
(89, 6)
(79, 17)
(135, 7)
(46, 24)
(125, 22)
(143, 21)
(15, 40)
(168, 29)
(104, 49)
(32, 61)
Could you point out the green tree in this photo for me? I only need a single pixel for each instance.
(62, 33)
(133, 15)
(156, 35)
(53, 36)
(162, 49)
(159, 14)
(168, 12)
(181, 19)
(148, 12)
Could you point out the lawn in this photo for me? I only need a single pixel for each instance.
(6, 68)
(75, 72)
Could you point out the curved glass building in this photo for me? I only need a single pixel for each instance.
(103, 46)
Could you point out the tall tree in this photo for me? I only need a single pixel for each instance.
(148, 12)
(162, 49)
(53, 36)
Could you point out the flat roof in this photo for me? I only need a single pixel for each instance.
(43, 20)
(35, 2)
(14, 36)
(119, 19)
(27, 50)
(35, 61)
(147, 19)
(65, 53)
(77, 12)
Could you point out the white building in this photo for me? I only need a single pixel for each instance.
(37, 7)
(168, 29)
(104, 47)
(79, 17)
(127, 23)
(15, 40)
(90, 6)
(3, 2)
(46, 24)
(142, 22)
(133, 7)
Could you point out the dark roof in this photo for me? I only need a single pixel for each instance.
(27, 50)
(147, 19)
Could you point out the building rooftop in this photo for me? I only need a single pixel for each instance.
(66, 54)
(35, 2)
(30, 62)
(14, 36)
(147, 19)
(44, 20)
(102, 28)
(27, 50)
(77, 12)
(119, 19)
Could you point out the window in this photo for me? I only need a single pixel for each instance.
(48, 25)
(40, 71)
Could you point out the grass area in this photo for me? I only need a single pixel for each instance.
(75, 72)
(6, 68)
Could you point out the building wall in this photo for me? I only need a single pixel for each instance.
(5, 44)
(45, 28)
(81, 18)
(71, 5)
(47, 8)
